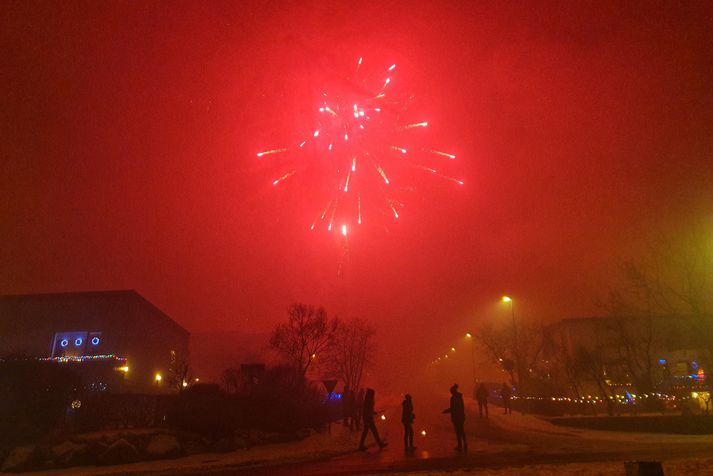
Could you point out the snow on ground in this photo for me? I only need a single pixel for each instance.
(687, 467)
(315, 447)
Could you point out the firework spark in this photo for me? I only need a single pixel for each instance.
(360, 121)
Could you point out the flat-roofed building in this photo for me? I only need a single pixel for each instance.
(117, 340)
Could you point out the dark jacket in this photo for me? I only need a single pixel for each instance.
(457, 408)
(367, 412)
(407, 415)
(481, 393)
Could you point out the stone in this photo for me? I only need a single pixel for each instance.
(163, 445)
(68, 453)
(120, 452)
(20, 458)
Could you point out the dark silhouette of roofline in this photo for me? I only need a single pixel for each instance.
(132, 293)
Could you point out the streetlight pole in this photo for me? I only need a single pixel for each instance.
(515, 343)
(469, 336)
(510, 300)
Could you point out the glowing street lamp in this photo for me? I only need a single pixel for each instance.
(158, 378)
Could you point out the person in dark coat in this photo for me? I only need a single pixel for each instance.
(481, 395)
(506, 394)
(407, 418)
(368, 414)
(457, 411)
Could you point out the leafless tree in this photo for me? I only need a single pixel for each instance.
(307, 334)
(353, 351)
(669, 287)
(232, 379)
(518, 354)
(179, 372)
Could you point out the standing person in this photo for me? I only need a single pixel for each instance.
(368, 414)
(506, 394)
(358, 406)
(481, 395)
(407, 418)
(457, 411)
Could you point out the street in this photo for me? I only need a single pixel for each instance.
(498, 442)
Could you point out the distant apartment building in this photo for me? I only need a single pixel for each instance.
(670, 345)
(115, 340)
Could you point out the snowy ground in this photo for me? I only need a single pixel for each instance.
(316, 447)
(499, 446)
(687, 467)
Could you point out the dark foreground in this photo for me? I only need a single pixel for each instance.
(500, 442)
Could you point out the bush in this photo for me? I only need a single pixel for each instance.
(34, 397)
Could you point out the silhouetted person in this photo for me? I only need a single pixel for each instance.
(457, 411)
(506, 395)
(358, 406)
(407, 418)
(368, 414)
(347, 406)
(481, 395)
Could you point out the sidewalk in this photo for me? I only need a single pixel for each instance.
(315, 447)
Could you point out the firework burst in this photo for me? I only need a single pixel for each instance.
(360, 146)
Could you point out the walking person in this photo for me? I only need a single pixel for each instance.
(368, 414)
(506, 395)
(457, 411)
(481, 395)
(407, 418)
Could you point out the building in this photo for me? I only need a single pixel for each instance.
(666, 350)
(116, 340)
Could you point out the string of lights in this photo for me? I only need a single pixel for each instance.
(83, 358)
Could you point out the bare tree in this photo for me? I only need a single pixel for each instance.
(232, 379)
(353, 351)
(179, 372)
(517, 354)
(308, 333)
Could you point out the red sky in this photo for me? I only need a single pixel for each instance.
(129, 131)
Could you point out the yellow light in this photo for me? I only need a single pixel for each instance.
(158, 377)
(423, 432)
(468, 335)
(124, 369)
(694, 394)
(453, 349)
(185, 384)
(197, 379)
(383, 417)
(507, 299)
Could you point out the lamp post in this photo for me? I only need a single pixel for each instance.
(515, 343)
(469, 336)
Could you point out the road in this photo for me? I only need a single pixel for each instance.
(496, 442)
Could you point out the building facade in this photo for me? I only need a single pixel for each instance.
(115, 340)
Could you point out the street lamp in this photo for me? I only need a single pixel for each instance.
(510, 301)
(515, 343)
(469, 336)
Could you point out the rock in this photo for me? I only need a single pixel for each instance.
(120, 452)
(223, 445)
(194, 447)
(68, 453)
(240, 442)
(163, 445)
(20, 458)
